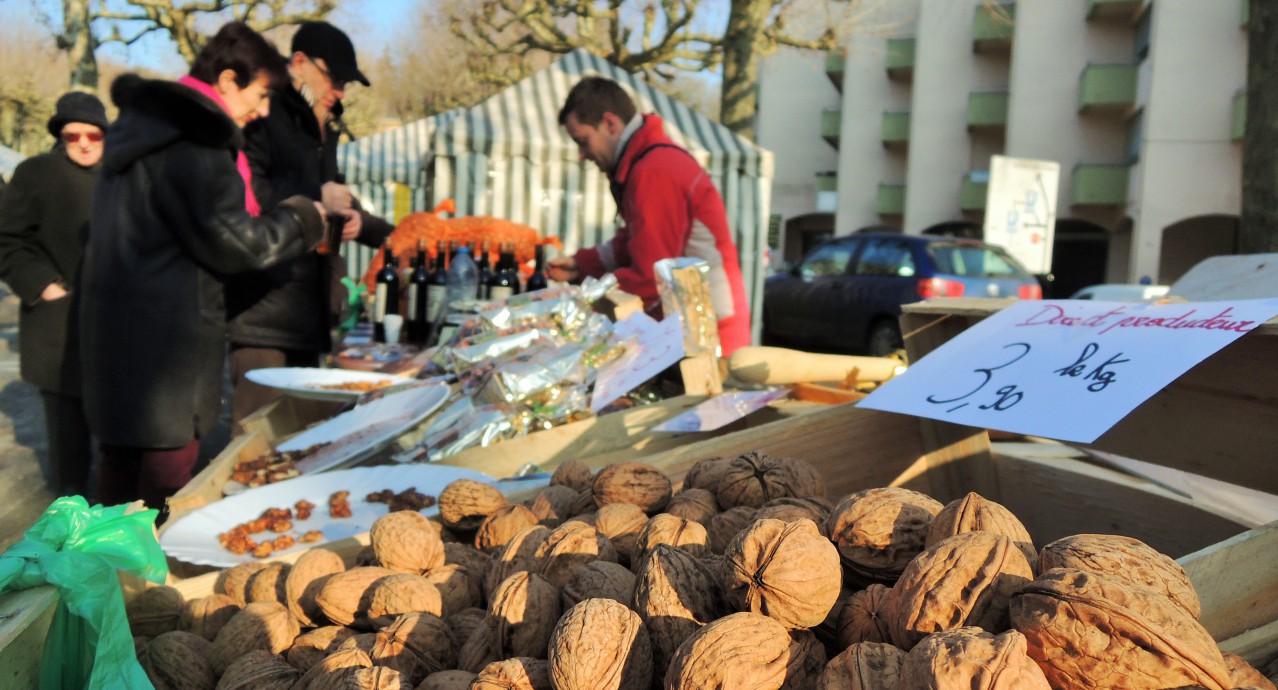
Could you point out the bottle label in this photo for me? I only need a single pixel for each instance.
(379, 303)
(436, 295)
(412, 301)
(500, 292)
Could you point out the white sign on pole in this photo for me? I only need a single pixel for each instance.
(1065, 369)
(1020, 209)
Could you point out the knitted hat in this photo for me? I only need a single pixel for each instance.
(77, 106)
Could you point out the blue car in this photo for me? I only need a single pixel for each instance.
(846, 294)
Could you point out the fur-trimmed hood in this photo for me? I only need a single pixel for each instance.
(156, 113)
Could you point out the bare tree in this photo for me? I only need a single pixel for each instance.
(186, 22)
(1258, 227)
(33, 78)
(78, 42)
(655, 38)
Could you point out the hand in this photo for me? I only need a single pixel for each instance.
(53, 291)
(336, 197)
(563, 269)
(354, 223)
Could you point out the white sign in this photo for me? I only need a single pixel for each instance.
(1020, 209)
(721, 410)
(1065, 369)
(651, 347)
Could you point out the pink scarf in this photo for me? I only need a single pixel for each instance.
(241, 161)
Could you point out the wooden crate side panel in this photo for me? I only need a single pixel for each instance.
(286, 416)
(206, 487)
(1237, 581)
(1062, 497)
(25, 617)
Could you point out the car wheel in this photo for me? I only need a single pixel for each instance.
(884, 339)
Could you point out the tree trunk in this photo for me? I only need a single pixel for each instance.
(1258, 229)
(742, 43)
(78, 42)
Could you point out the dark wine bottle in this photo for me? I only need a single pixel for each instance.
(485, 270)
(537, 281)
(416, 324)
(437, 286)
(386, 297)
(505, 280)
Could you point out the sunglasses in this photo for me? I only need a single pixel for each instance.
(73, 137)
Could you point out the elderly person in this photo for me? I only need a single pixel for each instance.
(44, 223)
(173, 216)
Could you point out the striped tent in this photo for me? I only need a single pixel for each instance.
(508, 157)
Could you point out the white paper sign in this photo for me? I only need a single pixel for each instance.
(721, 410)
(1020, 209)
(655, 345)
(1065, 369)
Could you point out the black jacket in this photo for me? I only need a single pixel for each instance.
(44, 223)
(290, 306)
(169, 224)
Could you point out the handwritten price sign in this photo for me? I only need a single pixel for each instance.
(1065, 369)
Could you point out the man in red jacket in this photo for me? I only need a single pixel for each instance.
(668, 203)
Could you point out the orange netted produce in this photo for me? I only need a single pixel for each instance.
(473, 231)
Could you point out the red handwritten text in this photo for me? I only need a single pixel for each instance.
(1053, 315)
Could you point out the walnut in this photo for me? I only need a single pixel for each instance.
(786, 571)
(259, 670)
(406, 542)
(965, 580)
(790, 508)
(746, 651)
(459, 587)
(305, 580)
(1127, 558)
(674, 595)
(504, 523)
(753, 479)
(233, 582)
(416, 645)
(267, 584)
(524, 609)
(674, 531)
(262, 625)
(569, 548)
(178, 661)
(705, 474)
(400, 593)
(311, 647)
(879, 531)
(599, 580)
(635, 483)
(864, 617)
(724, 526)
(520, 673)
(974, 513)
(972, 658)
(554, 505)
(1090, 630)
(863, 666)
(206, 615)
(344, 598)
(519, 555)
(465, 503)
(698, 505)
(600, 644)
(574, 475)
(155, 611)
(447, 680)
(621, 523)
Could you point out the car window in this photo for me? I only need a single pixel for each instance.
(828, 260)
(885, 257)
(974, 261)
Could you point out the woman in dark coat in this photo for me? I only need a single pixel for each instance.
(44, 223)
(172, 217)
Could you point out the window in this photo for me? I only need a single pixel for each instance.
(885, 257)
(974, 261)
(828, 260)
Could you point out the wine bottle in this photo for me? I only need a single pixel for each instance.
(537, 281)
(386, 296)
(437, 286)
(485, 271)
(504, 281)
(418, 326)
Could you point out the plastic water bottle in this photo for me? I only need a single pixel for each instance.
(463, 278)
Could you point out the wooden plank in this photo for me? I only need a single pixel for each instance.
(1231, 277)
(1237, 582)
(286, 416)
(700, 374)
(25, 617)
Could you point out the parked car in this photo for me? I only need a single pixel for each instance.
(1122, 292)
(846, 294)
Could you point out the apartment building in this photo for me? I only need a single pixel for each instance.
(1139, 101)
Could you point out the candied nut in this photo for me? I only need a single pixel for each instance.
(311, 536)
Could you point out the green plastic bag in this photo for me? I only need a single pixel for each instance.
(78, 549)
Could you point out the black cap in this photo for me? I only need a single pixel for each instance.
(329, 43)
(77, 106)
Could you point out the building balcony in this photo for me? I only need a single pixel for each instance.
(900, 58)
(1115, 10)
(827, 187)
(973, 190)
(993, 27)
(1246, 14)
(895, 130)
(1107, 87)
(831, 125)
(890, 200)
(1238, 123)
(1099, 185)
(834, 62)
(987, 109)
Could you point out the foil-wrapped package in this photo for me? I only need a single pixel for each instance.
(684, 287)
(519, 380)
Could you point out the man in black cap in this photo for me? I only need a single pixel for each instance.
(283, 316)
(44, 224)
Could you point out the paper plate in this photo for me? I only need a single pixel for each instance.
(358, 433)
(310, 382)
(193, 539)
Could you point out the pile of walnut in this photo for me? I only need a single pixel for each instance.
(747, 578)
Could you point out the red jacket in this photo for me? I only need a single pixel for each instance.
(671, 209)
